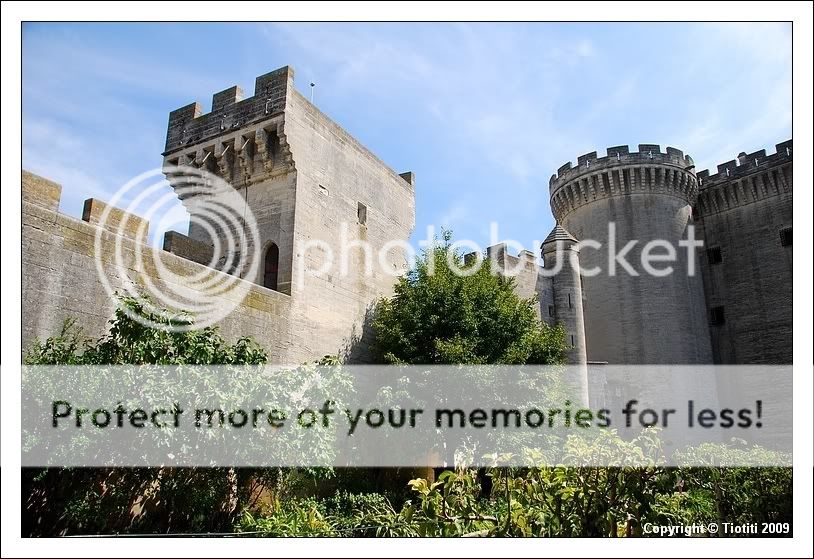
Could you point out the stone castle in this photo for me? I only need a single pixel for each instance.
(302, 176)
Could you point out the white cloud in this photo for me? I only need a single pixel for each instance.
(585, 49)
(454, 215)
(743, 98)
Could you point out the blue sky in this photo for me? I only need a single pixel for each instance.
(482, 113)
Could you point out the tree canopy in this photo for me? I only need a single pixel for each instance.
(441, 316)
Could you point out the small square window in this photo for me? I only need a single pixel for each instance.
(785, 237)
(714, 255)
(361, 214)
(716, 316)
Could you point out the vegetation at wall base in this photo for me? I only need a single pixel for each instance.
(275, 502)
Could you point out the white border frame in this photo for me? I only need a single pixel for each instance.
(10, 287)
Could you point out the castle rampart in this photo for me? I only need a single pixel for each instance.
(745, 180)
(60, 279)
(189, 125)
(620, 173)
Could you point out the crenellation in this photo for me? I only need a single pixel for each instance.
(40, 191)
(627, 173)
(618, 151)
(189, 126)
(227, 97)
(586, 159)
(746, 164)
(750, 178)
(728, 168)
(188, 248)
(115, 220)
(645, 171)
(650, 150)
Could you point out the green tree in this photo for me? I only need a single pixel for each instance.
(449, 310)
(440, 316)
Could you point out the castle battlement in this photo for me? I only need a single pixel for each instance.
(42, 193)
(749, 178)
(648, 155)
(622, 172)
(189, 125)
(747, 164)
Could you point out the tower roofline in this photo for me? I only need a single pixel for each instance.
(648, 154)
(746, 164)
(190, 125)
(559, 233)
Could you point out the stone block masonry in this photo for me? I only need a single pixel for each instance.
(647, 195)
(304, 179)
(745, 215)
(60, 280)
(740, 310)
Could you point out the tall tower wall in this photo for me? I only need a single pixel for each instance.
(645, 195)
(745, 216)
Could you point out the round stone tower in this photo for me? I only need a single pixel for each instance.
(619, 207)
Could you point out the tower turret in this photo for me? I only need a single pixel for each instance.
(560, 252)
(627, 208)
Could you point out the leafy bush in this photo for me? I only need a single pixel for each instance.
(741, 495)
(342, 515)
(546, 501)
(131, 342)
(108, 500)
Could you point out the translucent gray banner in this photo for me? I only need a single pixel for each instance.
(411, 416)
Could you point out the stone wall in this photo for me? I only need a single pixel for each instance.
(306, 181)
(60, 279)
(742, 210)
(343, 189)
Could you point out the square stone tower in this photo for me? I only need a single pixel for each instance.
(317, 196)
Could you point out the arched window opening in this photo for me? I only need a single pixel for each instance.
(271, 266)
